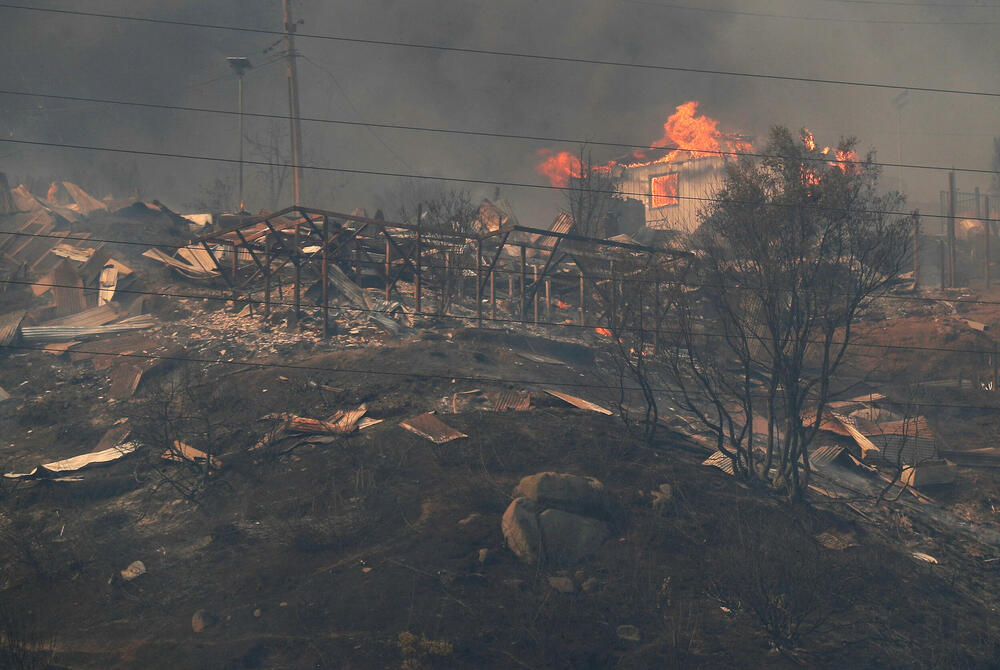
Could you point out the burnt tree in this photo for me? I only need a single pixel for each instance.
(791, 250)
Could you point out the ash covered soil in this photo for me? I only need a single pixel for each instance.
(380, 549)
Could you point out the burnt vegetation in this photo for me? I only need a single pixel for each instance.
(273, 494)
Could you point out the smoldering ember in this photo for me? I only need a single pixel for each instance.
(723, 397)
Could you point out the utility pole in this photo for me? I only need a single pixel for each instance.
(240, 65)
(293, 102)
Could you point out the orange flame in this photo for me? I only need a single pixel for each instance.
(561, 305)
(847, 160)
(603, 332)
(683, 130)
(558, 167)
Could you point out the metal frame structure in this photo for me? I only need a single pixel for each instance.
(310, 240)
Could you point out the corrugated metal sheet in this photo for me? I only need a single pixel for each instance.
(517, 401)
(721, 461)
(825, 455)
(62, 333)
(562, 225)
(95, 316)
(432, 428)
(905, 449)
(84, 202)
(9, 326)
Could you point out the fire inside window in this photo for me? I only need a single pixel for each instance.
(663, 190)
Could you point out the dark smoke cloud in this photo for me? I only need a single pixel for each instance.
(186, 66)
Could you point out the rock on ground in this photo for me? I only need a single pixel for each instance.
(569, 538)
(520, 529)
(568, 492)
(546, 520)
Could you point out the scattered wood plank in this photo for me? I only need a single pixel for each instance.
(579, 402)
(125, 380)
(431, 428)
(67, 289)
(107, 285)
(538, 358)
(184, 452)
(10, 326)
(77, 462)
(186, 269)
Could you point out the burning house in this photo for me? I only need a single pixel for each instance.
(672, 187)
(672, 180)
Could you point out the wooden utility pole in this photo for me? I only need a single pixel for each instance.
(916, 250)
(293, 102)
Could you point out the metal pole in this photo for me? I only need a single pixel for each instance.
(326, 302)
(656, 310)
(581, 297)
(612, 322)
(416, 279)
(951, 229)
(267, 276)
(534, 292)
(493, 297)
(479, 283)
(293, 102)
(986, 256)
(524, 280)
(989, 231)
(548, 300)
(297, 289)
(944, 270)
(995, 367)
(234, 266)
(239, 85)
(916, 250)
(446, 286)
(388, 266)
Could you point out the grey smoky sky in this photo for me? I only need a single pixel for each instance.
(944, 45)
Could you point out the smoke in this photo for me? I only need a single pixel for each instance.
(186, 66)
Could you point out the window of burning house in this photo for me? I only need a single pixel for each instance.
(663, 190)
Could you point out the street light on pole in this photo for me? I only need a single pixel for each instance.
(240, 65)
(899, 102)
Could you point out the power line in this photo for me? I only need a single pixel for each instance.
(506, 54)
(458, 180)
(452, 131)
(796, 17)
(904, 3)
(511, 321)
(416, 375)
(350, 104)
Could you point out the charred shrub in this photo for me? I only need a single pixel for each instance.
(22, 645)
(780, 577)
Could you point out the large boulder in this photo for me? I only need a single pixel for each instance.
(551, 518)
(521, 531)
(568, 538)
(567, 492)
